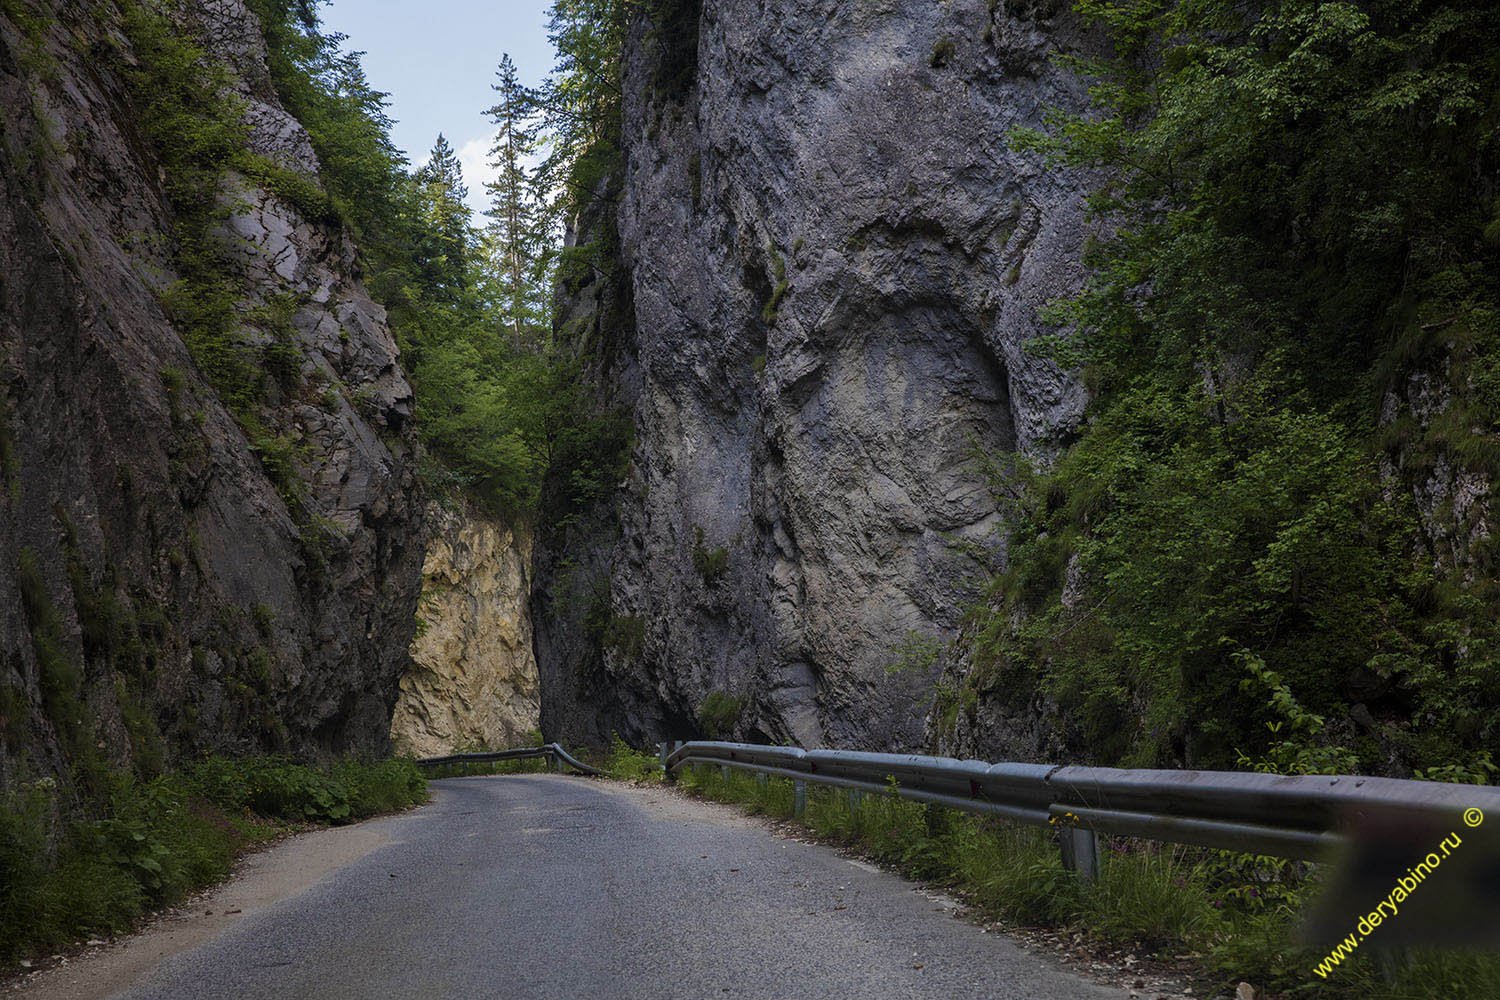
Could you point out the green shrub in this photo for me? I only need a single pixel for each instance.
(381, 787)
(528, 765)
(675, 30)
(711, 564)
(625, 763)
(1239, 488)
(719, 713)
(625, 635)
(278, 788)
(59, 675)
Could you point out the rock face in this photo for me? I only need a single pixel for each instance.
(194, 583)
(832, 259)
(473, 682)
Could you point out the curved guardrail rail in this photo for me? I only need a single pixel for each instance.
(1302, 817)
(552, 751)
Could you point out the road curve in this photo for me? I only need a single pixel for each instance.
(548, 887)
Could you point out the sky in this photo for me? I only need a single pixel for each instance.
(437, 59)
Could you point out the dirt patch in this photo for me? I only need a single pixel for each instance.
(103, 969)
(672, 803)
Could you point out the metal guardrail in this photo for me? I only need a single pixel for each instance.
(1302, 817)
(552, 751)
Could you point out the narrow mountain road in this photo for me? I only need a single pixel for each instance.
(549, 887)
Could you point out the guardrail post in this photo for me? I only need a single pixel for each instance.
(724, 772)
(663, 749)
(855, 798)
(557, 764)
(799, 797)
(1080, 852)
(760, 779)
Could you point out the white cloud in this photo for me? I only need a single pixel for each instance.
(473, 156)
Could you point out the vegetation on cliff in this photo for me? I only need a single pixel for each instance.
(1284, 497)
(497, 409)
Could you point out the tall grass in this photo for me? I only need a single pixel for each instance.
(1235, 915)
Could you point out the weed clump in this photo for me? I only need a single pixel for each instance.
(942, 53)
(772, 309)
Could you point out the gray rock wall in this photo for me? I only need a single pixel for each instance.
(203, 604)
(833, 260)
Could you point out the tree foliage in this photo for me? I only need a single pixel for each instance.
(492, 412)
(1304, 218)
(521, 237)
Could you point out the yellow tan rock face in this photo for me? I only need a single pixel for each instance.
(474, 680)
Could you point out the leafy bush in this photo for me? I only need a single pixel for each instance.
(385, 786)
(719, 713)
(1266, 285)
(625, 763)
(675, 31)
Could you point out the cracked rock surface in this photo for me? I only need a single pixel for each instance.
(473, 682)
(238, 613)
(835, 260)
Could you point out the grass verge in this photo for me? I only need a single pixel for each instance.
(148, 844)
(1231, 916)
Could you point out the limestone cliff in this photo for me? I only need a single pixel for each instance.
(830, 258)
(173, 574)
(473, 682)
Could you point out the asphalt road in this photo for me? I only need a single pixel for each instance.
(552, 887)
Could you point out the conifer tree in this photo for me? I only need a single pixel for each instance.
(520, 223)
(444, 250)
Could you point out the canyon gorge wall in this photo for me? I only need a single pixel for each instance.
(826, 261)
(182, 570)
